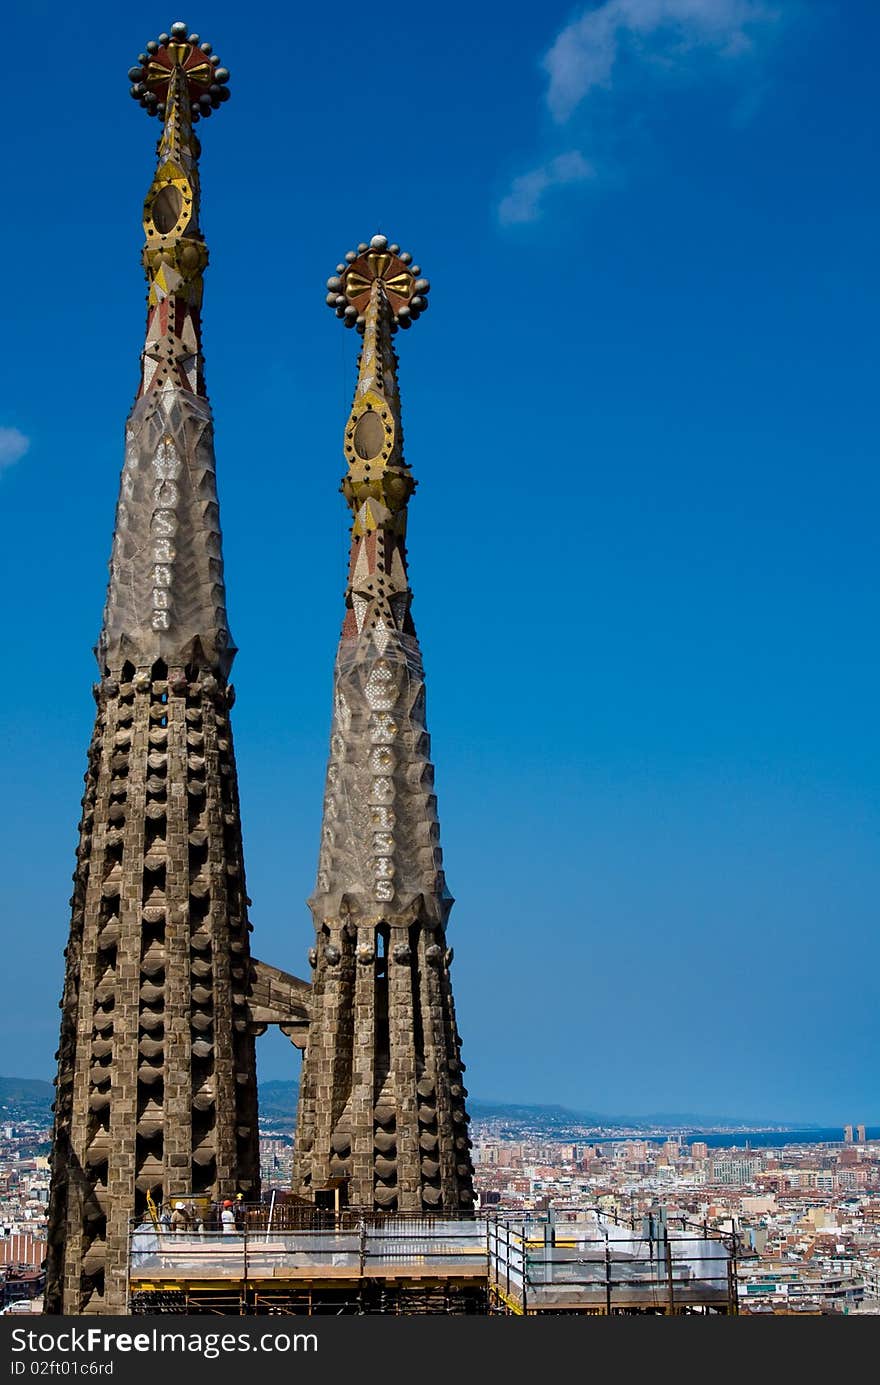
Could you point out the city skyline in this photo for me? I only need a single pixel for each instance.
(657, 763)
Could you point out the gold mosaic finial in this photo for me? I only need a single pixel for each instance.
(206, 83)
(388, 267)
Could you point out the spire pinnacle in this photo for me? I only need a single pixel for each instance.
(377, 290)
(180, 80)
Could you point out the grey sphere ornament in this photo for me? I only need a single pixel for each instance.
(179, 29)
(379, 243)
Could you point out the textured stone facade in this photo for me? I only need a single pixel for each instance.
(382, 1098)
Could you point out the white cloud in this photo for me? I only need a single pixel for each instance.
(621, 47)
(584, 55)
(524, 201)
(13, 445)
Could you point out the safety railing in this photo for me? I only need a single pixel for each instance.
(261, 1253)
(605, 1266)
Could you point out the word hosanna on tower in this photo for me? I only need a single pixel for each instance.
(156, 1090)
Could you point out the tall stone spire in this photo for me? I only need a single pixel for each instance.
(156, 1086)
(382, 1100)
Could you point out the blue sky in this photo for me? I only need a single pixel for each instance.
(643, 415)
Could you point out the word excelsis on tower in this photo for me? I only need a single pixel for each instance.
(382, 1100)
(156, 1090)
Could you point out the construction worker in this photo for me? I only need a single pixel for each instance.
(180, 1219)
(227, 1219)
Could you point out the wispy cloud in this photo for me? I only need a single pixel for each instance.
(524, 201)
(621, 47)
(13, 445)
(586, 52)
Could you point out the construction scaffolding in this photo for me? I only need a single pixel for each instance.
(589, 1263)
(336, 1263)
(297, 1260)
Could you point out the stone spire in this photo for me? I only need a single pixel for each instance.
(156, 1086)
(381, 1097)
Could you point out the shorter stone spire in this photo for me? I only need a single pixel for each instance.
(382, 1099)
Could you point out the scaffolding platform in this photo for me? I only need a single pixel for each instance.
(586, 1262)
(406, 1264)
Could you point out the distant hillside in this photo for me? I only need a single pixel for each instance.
(278, 1100)
(562, 1117)
(278, 1103)
(27, 1093)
